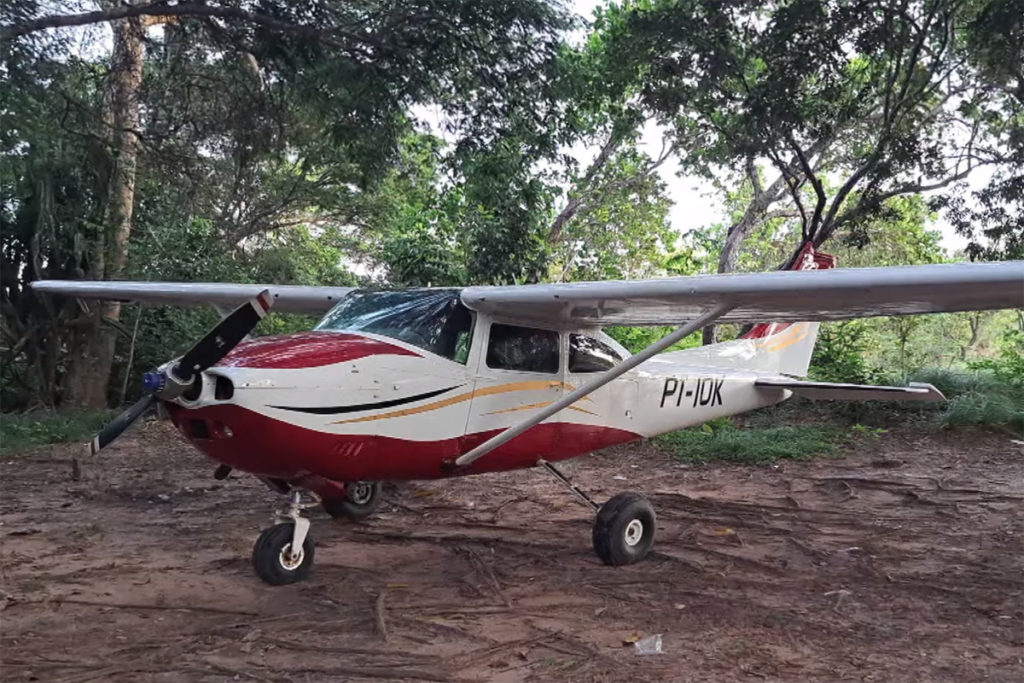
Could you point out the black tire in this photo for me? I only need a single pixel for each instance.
(361, 499)
(269, 559)
(624, 529)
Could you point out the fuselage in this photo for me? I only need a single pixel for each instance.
(345, 402)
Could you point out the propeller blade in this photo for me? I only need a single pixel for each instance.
(121, 423)
(219, 341)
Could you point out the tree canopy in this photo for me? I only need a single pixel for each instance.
(451, 142)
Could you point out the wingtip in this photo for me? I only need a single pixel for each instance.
(933, 395)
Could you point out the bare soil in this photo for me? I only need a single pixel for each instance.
(899, 561)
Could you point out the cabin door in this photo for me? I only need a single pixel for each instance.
(519, 371)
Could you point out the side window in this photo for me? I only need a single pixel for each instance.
(587, 354)
(522, 348)
(456, 335)
(462, 343)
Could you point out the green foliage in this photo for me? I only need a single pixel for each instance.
(1008, 366)
(292, 149)
(988, 409)
(985, 397)
(850, 102)
(21, 432)
(839, 353)
(637, 338)
(993, 395)
(621, 230)
(751, 446)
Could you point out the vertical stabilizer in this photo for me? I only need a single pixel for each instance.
(778, 348)
(789, 346)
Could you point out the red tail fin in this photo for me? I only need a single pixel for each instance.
(808, 259)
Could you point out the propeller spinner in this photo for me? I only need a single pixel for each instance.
(171, 380)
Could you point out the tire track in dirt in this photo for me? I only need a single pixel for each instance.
(906, 567)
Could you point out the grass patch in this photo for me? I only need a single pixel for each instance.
(767, 444)
(24, 431)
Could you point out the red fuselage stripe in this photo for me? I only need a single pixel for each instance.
(308, 350)
(274, 448)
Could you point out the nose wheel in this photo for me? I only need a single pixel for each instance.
(284, 552)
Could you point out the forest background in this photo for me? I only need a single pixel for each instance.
(456, 142)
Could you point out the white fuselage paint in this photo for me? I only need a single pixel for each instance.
(671, 391)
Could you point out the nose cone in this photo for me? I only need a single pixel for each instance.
(307, 350)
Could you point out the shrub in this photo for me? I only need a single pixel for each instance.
(19, 432)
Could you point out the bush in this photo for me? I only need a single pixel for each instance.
(985, 397)
(19, 432)
(987, 409)
(839, 353)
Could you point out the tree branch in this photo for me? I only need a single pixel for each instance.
(819, 190)
(162, 8)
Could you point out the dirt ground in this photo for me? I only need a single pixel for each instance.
(900, 561)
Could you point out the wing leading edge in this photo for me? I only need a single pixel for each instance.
(755, 297)
(287, 298)
(762, 297)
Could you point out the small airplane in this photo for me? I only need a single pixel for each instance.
(442, 382)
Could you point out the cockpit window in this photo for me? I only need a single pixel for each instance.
(587, 354)
(434, 320)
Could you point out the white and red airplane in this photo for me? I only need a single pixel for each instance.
(431, 383)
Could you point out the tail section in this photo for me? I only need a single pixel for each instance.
(781, 348)
(791, 345)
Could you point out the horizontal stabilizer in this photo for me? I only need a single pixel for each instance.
(832, 391)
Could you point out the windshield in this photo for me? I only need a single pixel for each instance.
(434, 319)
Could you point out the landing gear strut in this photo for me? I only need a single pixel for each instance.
(284, 552)
(624, 526)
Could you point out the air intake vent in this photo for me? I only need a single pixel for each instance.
(223, 390)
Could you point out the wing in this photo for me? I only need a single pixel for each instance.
(762, 297)
(287, 298)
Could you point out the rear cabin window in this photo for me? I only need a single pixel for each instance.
(522, 348)
(587, 354)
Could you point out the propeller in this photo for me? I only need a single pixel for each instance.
(173, 378)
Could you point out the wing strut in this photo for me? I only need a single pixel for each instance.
(512, 432)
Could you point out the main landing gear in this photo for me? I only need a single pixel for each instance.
(624, 526)
(284, 552)
(361, 500)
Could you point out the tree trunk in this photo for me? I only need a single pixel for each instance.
(741, 230)
(92, 347)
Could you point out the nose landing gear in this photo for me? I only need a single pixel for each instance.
(284, 552)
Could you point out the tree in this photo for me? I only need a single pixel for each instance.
(260, 116)
(992, 217)
(851, 103)
(861, 94)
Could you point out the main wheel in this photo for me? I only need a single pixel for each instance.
(273, 559)
(624, 529)
(361, 499)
